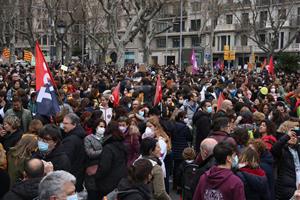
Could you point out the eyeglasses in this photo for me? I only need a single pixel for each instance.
(46, 139)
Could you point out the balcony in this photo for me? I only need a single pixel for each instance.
(225, 27)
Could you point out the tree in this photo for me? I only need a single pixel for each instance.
(136, 13)
(288, 62)
(265, 21)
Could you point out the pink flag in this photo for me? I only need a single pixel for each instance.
(194, 63)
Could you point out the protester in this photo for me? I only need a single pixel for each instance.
(10, 133)
(4, 177)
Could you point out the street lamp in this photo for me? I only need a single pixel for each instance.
(61, 29)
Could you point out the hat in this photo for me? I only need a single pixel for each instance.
(264, 91)
(188, 154)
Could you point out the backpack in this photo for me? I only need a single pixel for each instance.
(113, 195)
(190, 171)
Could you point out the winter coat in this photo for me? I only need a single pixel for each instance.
(73, 146)
(255, 184)
(58, 158)
(220, 183)
(112, 165)
(15, 167)
(93, 149)
(202, 122)
(131, 191)
(180, 138)
(10, 139)
(189, 109)
(286, 176)
(132, 144)
(220, 136)
(267, 164)
(4, 182)
(25, 190)
(24, 116)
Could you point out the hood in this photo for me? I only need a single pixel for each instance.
(257, 172)
(79, 131)
(127, 188)
(217, 176)
(266, 157)
(27, 189)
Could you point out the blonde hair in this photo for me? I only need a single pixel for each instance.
(13, 121)
(160, 131)
(250, 156)
(287, 125)
(26, 145)
(3, 160)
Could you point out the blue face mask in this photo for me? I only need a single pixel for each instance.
(43, 146)
(141, 113)
(209, 109)
(72, 197)
(235, 162)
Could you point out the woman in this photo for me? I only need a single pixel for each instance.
(135, 186)
(112, 164)
(11, 132)
(4, 177)
(34, 126)
(131, 139)
(266, 132)
(150, 150)
(19, 154)
(93, 149)
(254, 178)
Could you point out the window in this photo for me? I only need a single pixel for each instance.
(44, 40)
(298, 38)
(176, 42)
(298, 16)
(282, 14)
(176, 26)
(244, 40)
(196, 6)
(161, 42)
(195, 25)
(228, 19)
(281, 39)
(52, 40)
(161, 26)
(196, 41)
(263, 19)
(262, 38)
(245, 18)
(223, 42)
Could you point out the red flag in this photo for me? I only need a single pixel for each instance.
(264, 64)
(116, 95)
(221, 98)
(43, 74)
(158, 92)
(271, 66)
(222, 66)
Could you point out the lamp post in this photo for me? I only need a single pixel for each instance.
(61, 28)
(180, 39)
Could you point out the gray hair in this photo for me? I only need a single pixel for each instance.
(52, 184)
(13, 121)
(75, 120)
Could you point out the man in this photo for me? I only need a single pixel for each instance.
(23, 114)
(202, 122)
(57, 185)
(28, 188)
(73, 146)
(226, 106)
(219, 182)
(190, 106)
(221, 130)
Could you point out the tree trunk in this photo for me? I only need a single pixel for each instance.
(58, 51)
(211, 49)
(120, 55)
(102, 57)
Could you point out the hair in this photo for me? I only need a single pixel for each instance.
(259, 145)
(17, 98)
(51, 130)
(124, 119)
(140, 170)
(220, 123)
(53, 184)
(147, 145)
(3, 161)
(13, 121)
(180, 115)
(271, 129)
(34, 168)
(221, 151)
(25, 146)
(113, 130)
(241, 136)
(189, 154)
(34, 126)
(286, 126)
(249, 156)
(74, 119)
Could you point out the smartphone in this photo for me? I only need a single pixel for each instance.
(297, 131)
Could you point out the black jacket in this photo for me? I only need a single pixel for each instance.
(255, 185)
(130, 191)
(202, 122)
(286, 176)
(267, 164)
(25, 190)
(73, 146)
(10, 139)
(112, 165)
(180, 138)
(4, 182)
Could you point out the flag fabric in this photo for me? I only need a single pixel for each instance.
(47, 103)
(250, 66)
(27, 56)
(222, 66)
(6, 53)
(158, 92)
(263, 65)
(271, 66)
(194, 62)
(221, 98)
(116, 95)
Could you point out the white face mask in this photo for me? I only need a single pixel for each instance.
(273, 90)
(61, 125)
(181, 101)
(148, 133)
(72, 197)
(123, 129)
(186, 120)
(100, 131)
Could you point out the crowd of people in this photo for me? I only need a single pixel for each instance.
(230, 135)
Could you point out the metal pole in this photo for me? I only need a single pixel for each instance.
(180, 39)
(166, 47)
(82, 45)
(62, 50)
